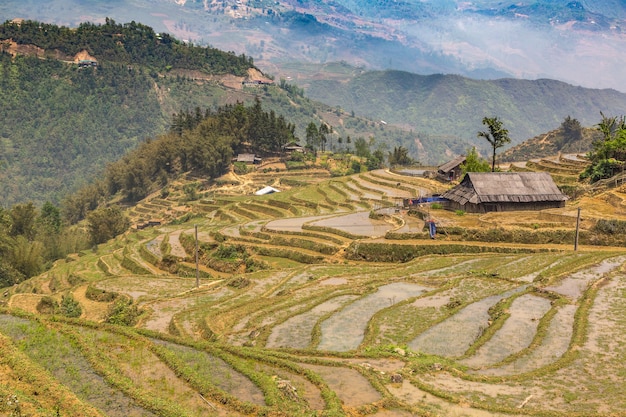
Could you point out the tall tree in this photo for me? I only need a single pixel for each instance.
(496, 135)
(106, 223)
(474, 163)
(312, 136)
(23, 220)
(399, 156)
(572, 129)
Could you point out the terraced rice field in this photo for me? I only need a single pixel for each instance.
(286, 318)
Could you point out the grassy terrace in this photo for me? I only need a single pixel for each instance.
(305, 309)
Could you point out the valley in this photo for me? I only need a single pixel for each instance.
(211, 264)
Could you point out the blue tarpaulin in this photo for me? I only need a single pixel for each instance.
(432, 199)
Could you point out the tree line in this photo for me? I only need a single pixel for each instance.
(608, 156)
(31, 239)
(202, 142)
(128, 43)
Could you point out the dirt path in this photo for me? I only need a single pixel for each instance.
(92, 310)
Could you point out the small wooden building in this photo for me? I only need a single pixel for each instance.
(482, 192)
(248, 158)
(293, 147)
(451, 170)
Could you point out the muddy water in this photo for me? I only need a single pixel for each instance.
(296, 331)
(352, 388)
(357, 223)
(516, 334)
(553, 346)
(162, 313)
(453, 336)
(411, 225)
(574, 285)
(55, 353)
(412, 395)
(362, 193)
(345, 330)
(154, 246)
(292, 224)
(218, 372)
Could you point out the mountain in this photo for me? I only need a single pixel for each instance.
(63, 121)
(75, 100)
(455, 105)
(578, 42)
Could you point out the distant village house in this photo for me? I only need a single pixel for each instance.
(256, 83)
(249, 158)
(84, 60)
(293, 147)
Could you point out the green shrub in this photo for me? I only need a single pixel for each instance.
(239, 282)
(47, 305)
(436, 206)
(102, 296)
(240, 168)
(70, 307)
(123, 312)
(292, 165)
(459, 212)
(610, 227)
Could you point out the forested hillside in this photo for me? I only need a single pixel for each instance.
(129, 43)
(455, 105)
(61, 123)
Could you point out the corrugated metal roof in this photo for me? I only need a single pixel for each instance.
(266, 190)
(505, 187)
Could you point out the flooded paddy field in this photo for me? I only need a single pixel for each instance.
(432, 333)
(299, 330)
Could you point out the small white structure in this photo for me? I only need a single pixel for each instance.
(266, 190)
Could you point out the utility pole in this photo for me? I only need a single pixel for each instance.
(577, 228)
(197, 264)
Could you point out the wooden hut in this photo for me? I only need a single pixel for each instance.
(481, 192)
(248, 158)
(451, 170)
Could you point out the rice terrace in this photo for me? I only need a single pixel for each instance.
(329, 298)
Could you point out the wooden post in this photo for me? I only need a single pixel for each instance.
(197, 264)
(577, 229)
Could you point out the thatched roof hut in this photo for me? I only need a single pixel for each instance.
(481, 192)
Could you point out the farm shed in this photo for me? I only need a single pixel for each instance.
(482, 192)
(248, 158)
(451, 170)
(266, 190)
(293, 147)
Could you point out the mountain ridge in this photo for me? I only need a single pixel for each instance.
(429, 103)
(576, 42)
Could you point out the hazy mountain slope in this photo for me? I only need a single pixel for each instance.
(577, 42)
(550, 144)
(454, 105)
(62, 124)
